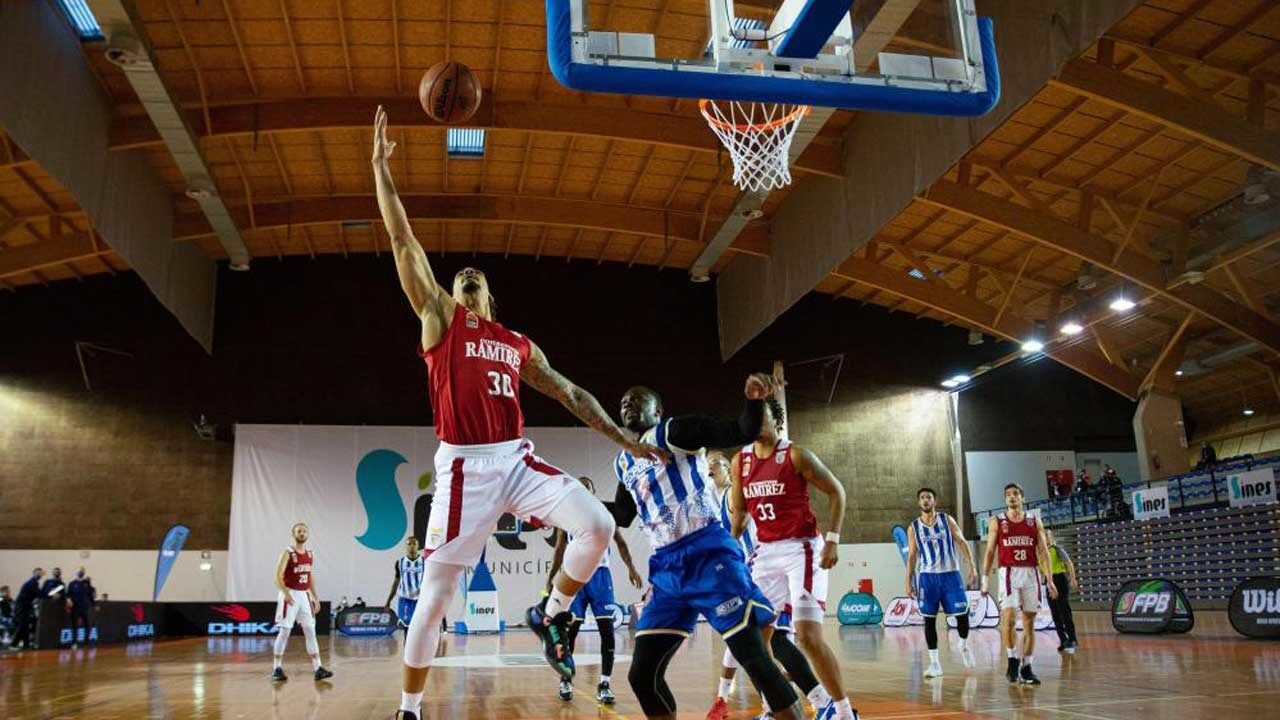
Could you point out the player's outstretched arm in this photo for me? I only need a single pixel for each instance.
(989, 557)
(419, 283)
(820, 477)
(912, 550)
(693, 432)
(965, 552)
(538, 373)
(737, 499)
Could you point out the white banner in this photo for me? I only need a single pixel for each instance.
(1254, 487)
(1150, 503)
(363, 490)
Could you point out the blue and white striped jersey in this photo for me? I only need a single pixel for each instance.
(748, 534)
(410, 576)
(935, 547)
(675, 499)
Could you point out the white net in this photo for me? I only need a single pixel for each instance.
(758, 137)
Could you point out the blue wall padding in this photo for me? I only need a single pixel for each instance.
(589, 77)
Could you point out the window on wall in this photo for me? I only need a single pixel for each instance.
(81, 17)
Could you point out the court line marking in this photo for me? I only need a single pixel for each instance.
(1159, 698)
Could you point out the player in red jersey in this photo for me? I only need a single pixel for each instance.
(771, 479)
(484, 466)
(297, 602)
(1023, 556)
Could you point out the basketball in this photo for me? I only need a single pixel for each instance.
(449, 93)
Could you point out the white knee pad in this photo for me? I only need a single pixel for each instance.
(584, 517)
(439, 583)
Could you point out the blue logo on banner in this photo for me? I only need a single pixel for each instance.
(169, 549)
(900, 539)
(383, 506)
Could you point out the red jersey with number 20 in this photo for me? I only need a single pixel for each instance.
(777, 495)
(474, 372)
(297, 571)
(1017, 541)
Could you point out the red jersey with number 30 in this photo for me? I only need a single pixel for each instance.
(474, 373)
(777, 495)
(297, 571)
(1017, 541)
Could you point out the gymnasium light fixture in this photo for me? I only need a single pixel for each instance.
(1123, 300)
(1248, 411)
(1178, 372)
(1071, 327)
(1032, 345)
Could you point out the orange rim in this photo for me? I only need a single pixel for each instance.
(799, 112)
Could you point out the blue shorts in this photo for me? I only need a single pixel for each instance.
(941, 590)
(404, 610)
(598, 594)
(702, 574)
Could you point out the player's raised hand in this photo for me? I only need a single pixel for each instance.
(382, 147)
(830, 556)
(761, 385)
(645, 450)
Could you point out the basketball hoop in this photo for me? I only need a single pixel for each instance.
(758, 137)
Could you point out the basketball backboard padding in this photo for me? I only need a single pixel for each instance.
(577, 70)
(811, 23)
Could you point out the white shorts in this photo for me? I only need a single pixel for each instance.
(297, 611)
(788, 573)
(476, 484)
(1019, 588)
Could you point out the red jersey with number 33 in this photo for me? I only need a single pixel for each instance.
(777, 495)
(1017, 541)
(474, 373)
(297, 571)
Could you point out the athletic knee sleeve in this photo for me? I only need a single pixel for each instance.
(607, 644)
(282, 640)
(748, 646)
(931, 633)
(574, 629)
(962, 625)
(439, 583)
(309, 633)
(648, 673)
(585, 518)
(729, 660)
(794, 662)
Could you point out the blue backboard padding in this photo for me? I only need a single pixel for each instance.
(589, 77)
(812, 28)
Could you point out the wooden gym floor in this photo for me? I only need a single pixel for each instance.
(1210, 673)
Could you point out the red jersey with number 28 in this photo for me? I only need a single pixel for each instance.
(297, 571)
(777, 495)
(1017, 541)
(474, 372)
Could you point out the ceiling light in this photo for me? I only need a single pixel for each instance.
(82, 18)
(961, 378)
(1121, 303)
(1178, 372)
(699, 277)
(950, 383)
(1071, 327)
(1248, 412)
(975, 337)
(1032, 345)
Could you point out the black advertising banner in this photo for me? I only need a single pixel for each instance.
(230, 619)
(1152, 605)
(110, 622)
(1254, 609)
(367, 622)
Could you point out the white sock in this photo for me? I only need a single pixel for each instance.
(964, 643)
(844, 710)
(818, 697)
(726, 684)
(315, 662)
(933, 657)
(1026, 662)
(604, 679)
(411, 702)
(1012, 653)
(558, 602)
(277, 662)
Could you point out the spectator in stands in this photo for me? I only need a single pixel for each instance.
(24, 610)
(53, 587)
(1208, 456)
(1064, 579)
(80, 597)
(6, 614)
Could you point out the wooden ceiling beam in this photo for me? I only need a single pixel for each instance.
(972, 312)
(1207, 123)
(457, 207)
(1067, 238)
(615, 123)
